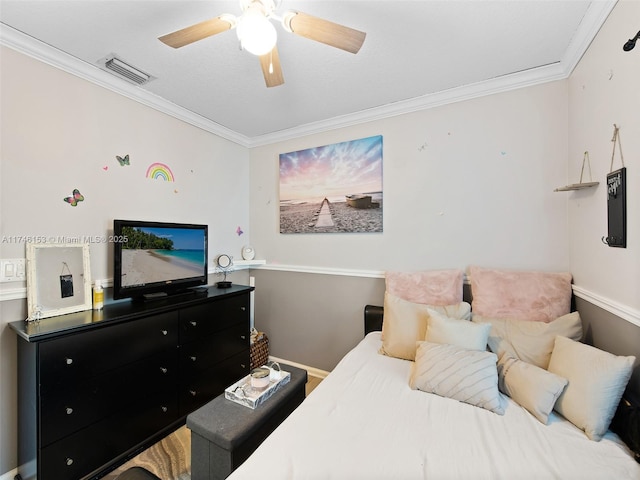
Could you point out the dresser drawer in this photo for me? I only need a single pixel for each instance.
(199, 390)
(202, 320)
(67, 410)
(83, 452)
(91, 353)
(199, 356)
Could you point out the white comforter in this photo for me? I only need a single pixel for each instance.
(364, 422)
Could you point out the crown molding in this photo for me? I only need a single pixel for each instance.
(16, 40)
(591, 23)
(543, 74)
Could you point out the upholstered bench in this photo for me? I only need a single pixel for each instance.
(224, 433)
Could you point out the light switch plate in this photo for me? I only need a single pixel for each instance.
(13, 270)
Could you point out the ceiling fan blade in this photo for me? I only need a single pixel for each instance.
(326, 32)
(201, 30)
(270, 63)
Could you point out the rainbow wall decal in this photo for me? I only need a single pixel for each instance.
(160, 171)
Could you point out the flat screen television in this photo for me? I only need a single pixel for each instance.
(156, 258)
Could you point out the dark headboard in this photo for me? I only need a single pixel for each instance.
(373, 318)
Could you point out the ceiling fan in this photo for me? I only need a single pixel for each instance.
(257, 34)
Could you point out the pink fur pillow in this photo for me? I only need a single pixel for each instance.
(435, 287)
(533, 296)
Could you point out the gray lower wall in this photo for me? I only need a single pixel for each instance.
(315, 319)
(311, 319)
(613, 334)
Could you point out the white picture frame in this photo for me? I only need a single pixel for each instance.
(58, 279)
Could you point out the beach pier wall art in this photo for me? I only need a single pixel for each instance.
(335, 188)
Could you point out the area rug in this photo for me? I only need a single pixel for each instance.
(169, 459)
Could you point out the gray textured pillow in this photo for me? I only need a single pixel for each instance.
(597, 380)
(531, 387)
(530, 341)
(469, 376)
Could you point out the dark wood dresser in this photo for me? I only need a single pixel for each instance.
(97, 387)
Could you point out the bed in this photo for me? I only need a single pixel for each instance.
(367, 420)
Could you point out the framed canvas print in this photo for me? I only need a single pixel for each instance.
(335, 188)
(58, 279)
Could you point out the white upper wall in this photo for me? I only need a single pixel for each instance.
(60, 132)
(603, 90)
(466, 183)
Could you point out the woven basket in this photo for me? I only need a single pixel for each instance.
(259, 355)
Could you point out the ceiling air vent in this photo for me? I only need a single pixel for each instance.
(124, 70)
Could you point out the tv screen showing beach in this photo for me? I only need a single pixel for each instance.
(158, 254)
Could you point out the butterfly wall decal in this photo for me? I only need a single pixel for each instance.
(123, 161)
(75, 198)
(239, 231)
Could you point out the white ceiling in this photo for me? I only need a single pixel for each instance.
(416, 54)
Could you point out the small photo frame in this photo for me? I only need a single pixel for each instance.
(58, 279)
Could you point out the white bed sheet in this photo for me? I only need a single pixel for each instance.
(364, 422)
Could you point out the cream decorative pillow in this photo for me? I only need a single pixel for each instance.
(533, 296)
(435, 287)
(441, 329)
(531, 342)
(405, 323)
(597, 380)
(531, 387)
(469, 376)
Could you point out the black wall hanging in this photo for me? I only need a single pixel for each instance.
(616, 199)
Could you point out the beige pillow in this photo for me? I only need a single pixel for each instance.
(442, 329)
(531, 342)
(597, 380)
(405, 323)
(531, 387)
(469, 376)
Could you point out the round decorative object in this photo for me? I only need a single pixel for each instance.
(260, 378)
(248, 253)
(224, 261)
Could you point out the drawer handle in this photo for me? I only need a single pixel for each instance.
(164, 332)
(243, 337)
(243, 309)
(193, 358)
(69, 461)
(243, 366)
(69, 410)
(69, 361)
(193, 323)
(164, 369)
(164, 409)
(193, 393)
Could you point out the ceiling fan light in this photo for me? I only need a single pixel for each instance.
(256, 33)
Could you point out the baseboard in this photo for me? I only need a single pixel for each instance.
(312, 371)
(9, 475)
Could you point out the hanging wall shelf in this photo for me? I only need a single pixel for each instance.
(581, 185)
